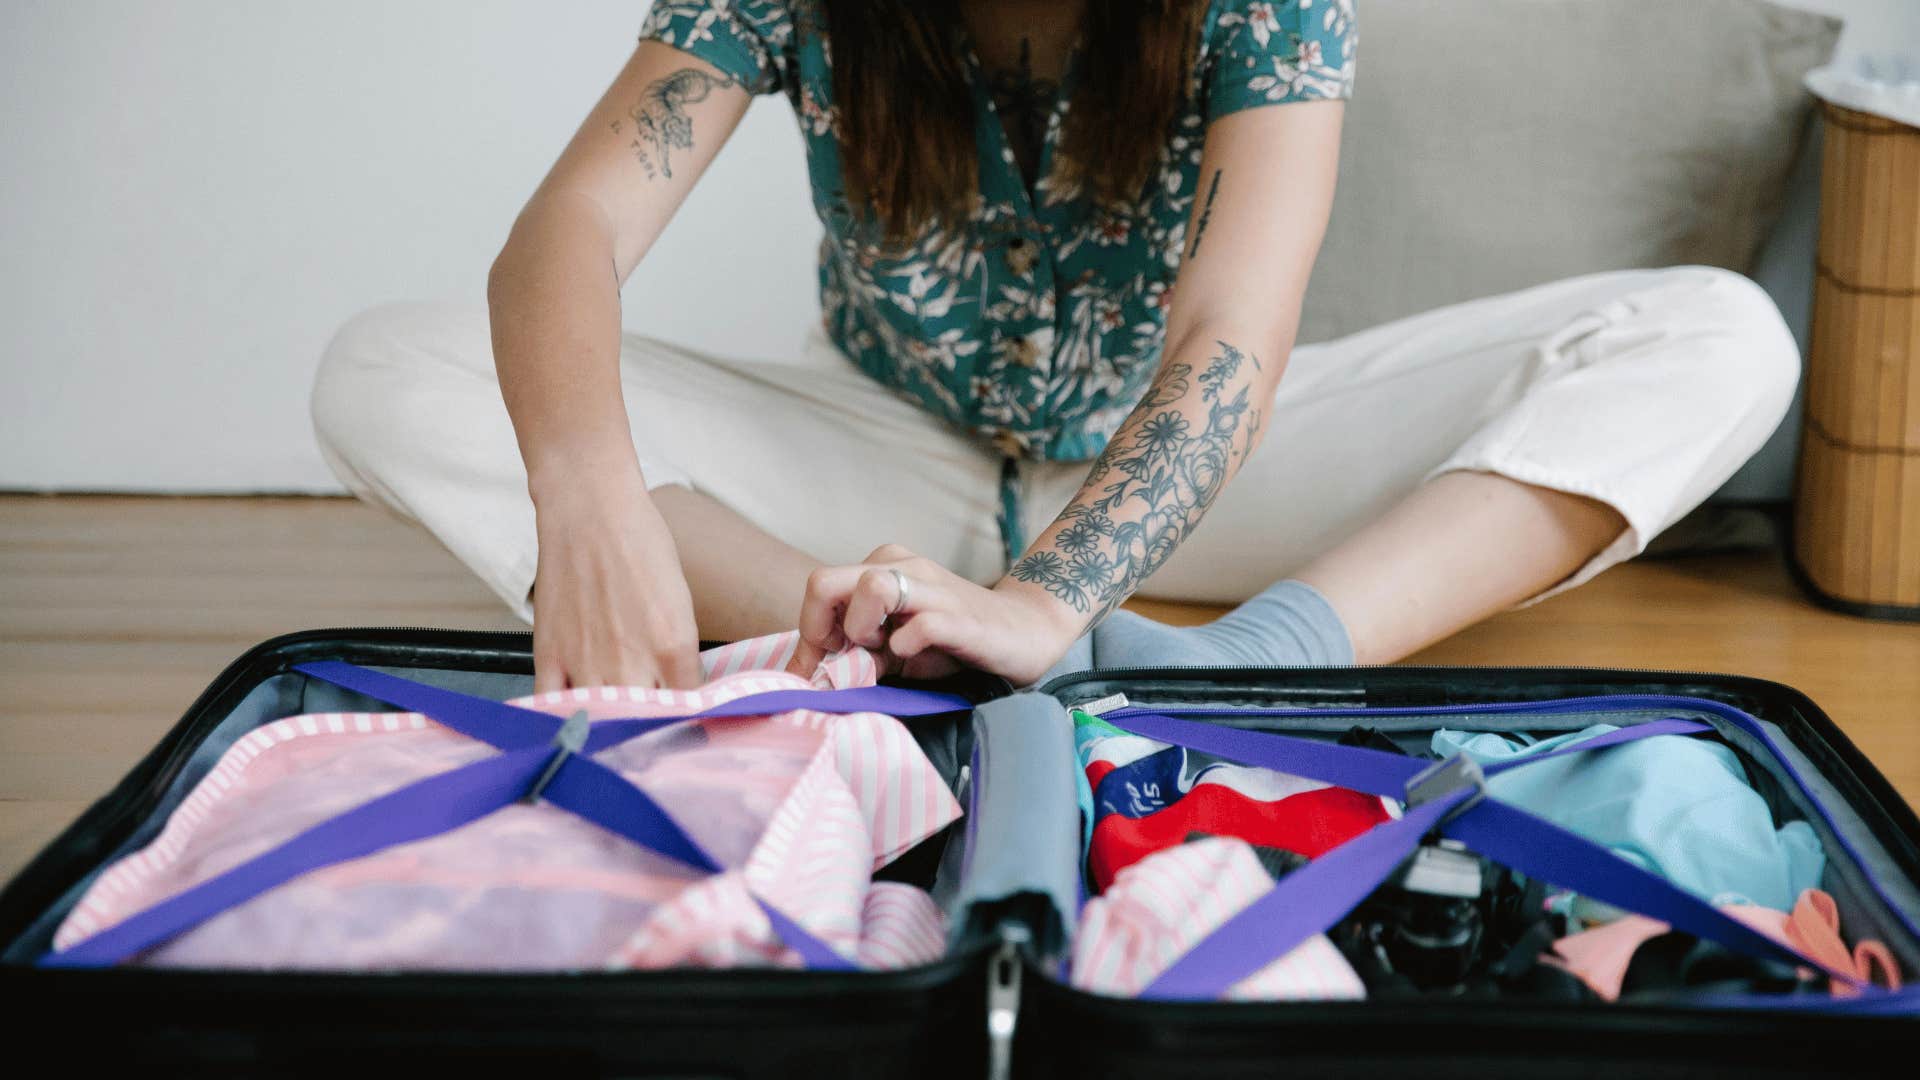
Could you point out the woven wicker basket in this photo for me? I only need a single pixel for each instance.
(1857, 510)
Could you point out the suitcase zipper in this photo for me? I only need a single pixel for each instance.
(1123, 674)
(1003, 1001)
(1102, 706)
(1115, 701)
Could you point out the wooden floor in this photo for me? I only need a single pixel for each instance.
(116, 612)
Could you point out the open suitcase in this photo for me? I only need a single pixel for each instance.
(998, 1003)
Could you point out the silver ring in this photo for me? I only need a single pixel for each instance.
(900, 586)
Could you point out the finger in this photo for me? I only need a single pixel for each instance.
(930, 664)
(550, 662)
(680, 668)
(821, 607)
(550, 665)
(889, 553)
(805, 660)
(885, 663)
(921, 568)
(633, 655)
(876, 595)
(548, 672)
(930, 630)
(632, 669)
(920, 642)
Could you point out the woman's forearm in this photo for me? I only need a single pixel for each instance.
(554, 299)
(1155, 480)
(555, 288)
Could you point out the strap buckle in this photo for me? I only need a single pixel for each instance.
(1443, 778)
(568, 741)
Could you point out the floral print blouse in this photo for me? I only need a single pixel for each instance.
(1039, 323)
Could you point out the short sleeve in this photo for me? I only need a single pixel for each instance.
(1269, 52)
(747, 39)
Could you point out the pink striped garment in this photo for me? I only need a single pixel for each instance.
(804, 806)
(1159, 907)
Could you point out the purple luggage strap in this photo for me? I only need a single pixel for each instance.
(542, 757)
(1448, 798)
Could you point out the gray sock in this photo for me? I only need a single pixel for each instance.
(1290, 624)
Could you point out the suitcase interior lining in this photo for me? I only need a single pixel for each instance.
(949, 746)
(1863, 910)
(292, 694)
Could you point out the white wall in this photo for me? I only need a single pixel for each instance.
(194, 194)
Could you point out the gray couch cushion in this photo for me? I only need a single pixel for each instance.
(1496, 144)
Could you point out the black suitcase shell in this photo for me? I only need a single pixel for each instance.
(924, 1022)
(1069, 1033)
(931, 1021)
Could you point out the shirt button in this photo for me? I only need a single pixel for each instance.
(1025, 352)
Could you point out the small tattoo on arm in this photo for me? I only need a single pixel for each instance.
(1167, 468)
(660, 121)
(1206, 215)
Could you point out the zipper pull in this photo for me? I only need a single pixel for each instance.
(1102, 706)
(1003, 1004)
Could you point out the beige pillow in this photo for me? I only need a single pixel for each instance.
(1496, 144)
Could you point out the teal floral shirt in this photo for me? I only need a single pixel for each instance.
(1039, 323)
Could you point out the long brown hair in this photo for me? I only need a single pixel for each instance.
(905, 115)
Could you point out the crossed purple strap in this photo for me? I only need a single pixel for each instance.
(1312, 898)
(539, 756)
(1306, 902)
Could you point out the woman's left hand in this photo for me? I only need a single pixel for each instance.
(941, 623)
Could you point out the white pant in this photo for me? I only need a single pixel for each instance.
(1643, 389)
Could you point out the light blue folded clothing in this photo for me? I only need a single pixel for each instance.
(1677, 805)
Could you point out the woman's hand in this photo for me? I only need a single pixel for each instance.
(944, 621)
(610, 599)
(610, 604)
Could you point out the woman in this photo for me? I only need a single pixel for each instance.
(1066, 245)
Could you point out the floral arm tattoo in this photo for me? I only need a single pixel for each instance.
(660, 120)
(1151, 486)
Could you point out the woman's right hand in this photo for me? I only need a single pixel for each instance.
(610, 600)
(610, 603)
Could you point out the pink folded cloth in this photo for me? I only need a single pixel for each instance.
(1160, 906)
(802, 807)
(1599, 957)
(1814, 929)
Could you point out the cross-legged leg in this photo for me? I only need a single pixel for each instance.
(1424, 474)
(1460, 547)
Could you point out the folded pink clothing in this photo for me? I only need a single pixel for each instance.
(1162, 905)
(1599, 957)
(801, 806)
